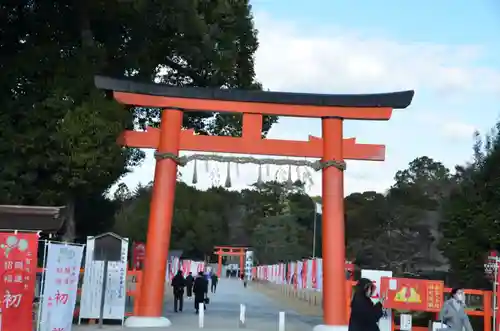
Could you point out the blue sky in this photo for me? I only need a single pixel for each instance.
(448, 51)
(446, 21)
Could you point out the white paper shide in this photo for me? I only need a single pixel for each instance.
(60, 286)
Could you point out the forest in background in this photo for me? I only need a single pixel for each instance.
(428, 223)
(59, 134)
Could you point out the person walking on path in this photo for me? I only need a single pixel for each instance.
(364, 314)
(189, 285)
(178, 284)
(215, 280)
(200, 290)
(453, 314)
(244, 279)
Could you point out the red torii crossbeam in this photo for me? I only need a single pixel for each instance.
(331, 148)
(312, 148)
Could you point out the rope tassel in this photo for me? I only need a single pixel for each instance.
(195, 173)
(228, 175)
(259, 179)
(289, 182)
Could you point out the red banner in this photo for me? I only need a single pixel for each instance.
(303, 273)
(138, 255)
(18, 262)
(314, 274)
(412, 294)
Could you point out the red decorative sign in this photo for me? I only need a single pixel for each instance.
(412, 294)
(138, 255)
(18, 262)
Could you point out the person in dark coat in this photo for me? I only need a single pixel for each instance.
(214, 280)
(178, 284)
(364, 314)
(189, 285)
(200, 290)
(244, 279)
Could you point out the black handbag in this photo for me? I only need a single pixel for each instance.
(206, 301)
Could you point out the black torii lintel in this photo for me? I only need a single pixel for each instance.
(394, 100)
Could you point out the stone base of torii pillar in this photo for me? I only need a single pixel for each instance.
(330, 328)
(147, 322)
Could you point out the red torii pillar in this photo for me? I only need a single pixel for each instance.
(232, 251)
(331, 148)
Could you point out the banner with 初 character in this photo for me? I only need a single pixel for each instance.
(18, 262)
(413, 294)
(60, 288)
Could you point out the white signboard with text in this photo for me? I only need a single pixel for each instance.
(60, 286)
(405, 322)
(115, 292)
(248, 264)
(375, 276)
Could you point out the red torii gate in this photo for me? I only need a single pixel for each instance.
(230, 251)
(331, 148)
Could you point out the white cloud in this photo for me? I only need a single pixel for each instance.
(446, 127)
(457, 130)
(334, 60)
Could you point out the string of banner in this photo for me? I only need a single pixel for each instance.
(49, 297)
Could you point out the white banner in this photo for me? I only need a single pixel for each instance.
(60, 286)
(309, 273)
(115, 292)
(173, 265)
(248, 264)
(299, 274)
(319, 274)
(375, 275)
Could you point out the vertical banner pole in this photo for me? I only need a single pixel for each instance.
(314, 231)
(103, 293)
(496, 288)
(42, 286)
